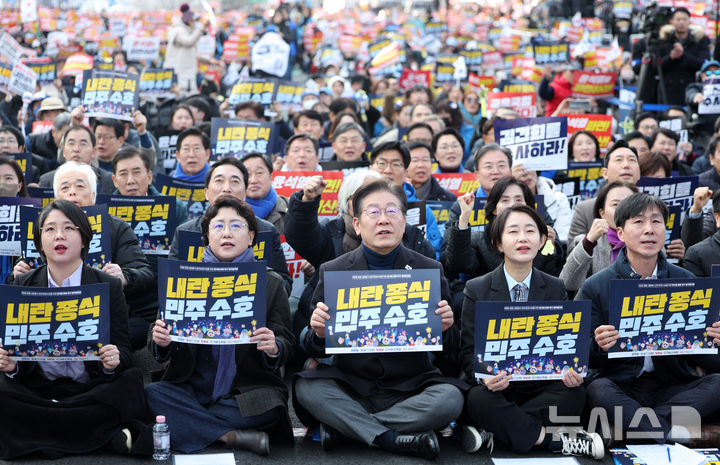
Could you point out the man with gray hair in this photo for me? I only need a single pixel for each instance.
(321, 242)
(349, 143)
(77, 182)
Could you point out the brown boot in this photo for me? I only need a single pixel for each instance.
(254, 441)
(710, 437)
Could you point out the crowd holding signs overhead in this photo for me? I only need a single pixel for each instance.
(387, 208)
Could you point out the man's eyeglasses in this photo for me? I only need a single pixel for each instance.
(712, 72)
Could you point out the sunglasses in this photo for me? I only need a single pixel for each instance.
(712, 72)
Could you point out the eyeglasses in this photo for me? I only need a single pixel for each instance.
(421, 160)
(9, 140)
(52, 230)
(497, 166)
(396, 165)
(73, 143)
(107, 137)
(234, 226)
(346, 141)
(195, 149)
(472, 100)
(712, 72)
(445, 147)
(374, 213)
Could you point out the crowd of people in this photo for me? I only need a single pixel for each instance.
(393, 142)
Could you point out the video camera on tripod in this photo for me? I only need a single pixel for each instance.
(652, 19)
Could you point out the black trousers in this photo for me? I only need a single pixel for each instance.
(517, 414)
(648, 391)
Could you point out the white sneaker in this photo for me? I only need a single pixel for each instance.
(473, 440)
(578, 442)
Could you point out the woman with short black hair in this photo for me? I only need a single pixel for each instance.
(231, 393)
(59, 407)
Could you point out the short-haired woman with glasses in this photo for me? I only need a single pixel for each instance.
(59, 407)
(232, 393)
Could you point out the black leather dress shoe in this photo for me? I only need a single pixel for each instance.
(329, 437)
(254, 441)
(421, 444)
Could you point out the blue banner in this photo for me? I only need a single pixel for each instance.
(10, 224)
(382, 311)
(532, 340)
(64, 323)
(230, 137)
(110, 94)
(673, 191)
(212, 303)
(663, 317)
(191, 192)
(152, 219)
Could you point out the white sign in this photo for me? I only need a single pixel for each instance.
(28, 11)
(23, 79)
(538, 143)
(10, 50)
(206, 46)
(143, 48)
(270, 54)
(711, 102)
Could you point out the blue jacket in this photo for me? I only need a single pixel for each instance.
(671, 368)
(432, 233)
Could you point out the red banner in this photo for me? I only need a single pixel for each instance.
(599, 125)
(593, 85)
(477, 82)
(521, 102)
(458, 183)
(287, 182)
(410, 79)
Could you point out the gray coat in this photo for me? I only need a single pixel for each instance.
(579, 265)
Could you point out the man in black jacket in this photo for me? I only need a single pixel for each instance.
(79, 144)
(391, 401)
(700, 258)
(660, 383)
(319, 242)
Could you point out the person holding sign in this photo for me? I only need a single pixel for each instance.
(653, 382)
(94, 404)
(226, 393)
(12, 184)
(472, 253)
(601, 246)
(391, 401)
(518, 414)
(621, 164)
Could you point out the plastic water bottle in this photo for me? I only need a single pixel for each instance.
(161, 439)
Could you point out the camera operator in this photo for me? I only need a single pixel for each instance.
(683, 50)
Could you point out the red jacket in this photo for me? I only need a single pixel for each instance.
(562, 89)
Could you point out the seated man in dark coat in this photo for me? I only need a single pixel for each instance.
(660, 383)
(700, 258)
(392, 401)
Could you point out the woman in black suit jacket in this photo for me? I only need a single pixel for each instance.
(203, 406)
(518, 413)
(58, 407)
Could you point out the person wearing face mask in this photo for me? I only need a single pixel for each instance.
(12, 184)
(710, 71)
